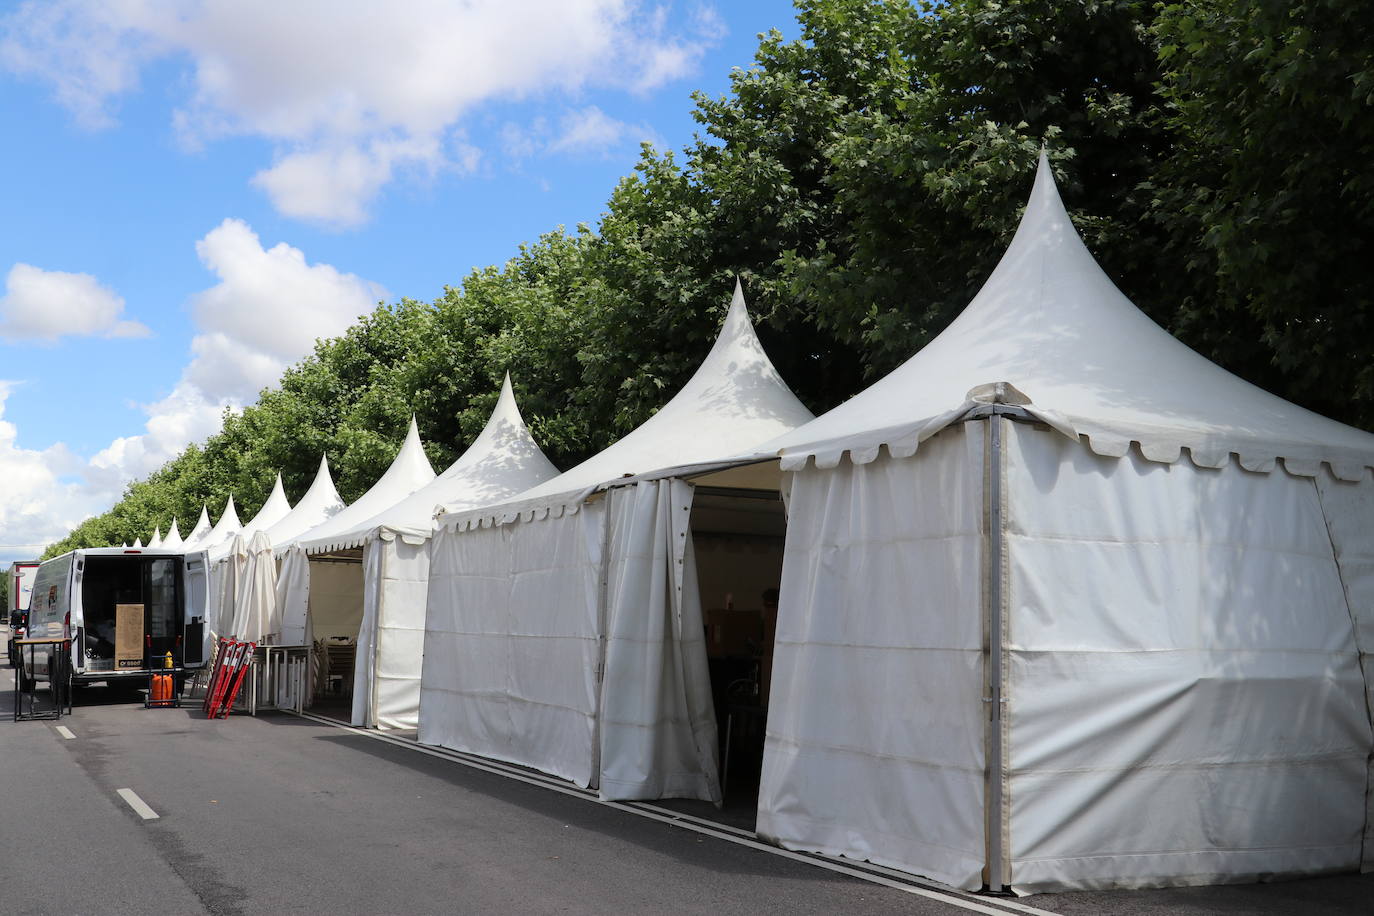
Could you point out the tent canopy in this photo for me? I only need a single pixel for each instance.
(1050, 323)
(173, 539)
(227, 526)
(273, 510)
(735, 400)
(504, 459)
(410, 470)
(320, 503)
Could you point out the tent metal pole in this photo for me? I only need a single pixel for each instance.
(601, 625)
(996, 751)
(376, 544)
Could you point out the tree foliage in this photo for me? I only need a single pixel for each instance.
(862, 181)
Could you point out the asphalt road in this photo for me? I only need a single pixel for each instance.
(280, 814)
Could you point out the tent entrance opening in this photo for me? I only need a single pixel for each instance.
(335, 619)
(737, 539)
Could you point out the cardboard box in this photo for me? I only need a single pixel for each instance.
(128, 636)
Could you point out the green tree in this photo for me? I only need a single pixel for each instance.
(1270, 191)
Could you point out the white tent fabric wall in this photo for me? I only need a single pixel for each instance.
(1206, 612)
(658, 724)
(386, 691)
(512, 642)
(875, 739)
(511, 576)
(1349, 511)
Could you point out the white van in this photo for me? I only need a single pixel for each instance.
(123, 610)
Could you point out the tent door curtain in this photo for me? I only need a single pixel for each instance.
(876, 734)
(512, 641)
(1348, 508)
(365, 666)
(293, 596)
(1226, 735)
(386, 690)
(658, 729)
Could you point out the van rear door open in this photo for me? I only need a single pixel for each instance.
(197, 580)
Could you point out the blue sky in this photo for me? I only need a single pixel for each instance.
(193, 191)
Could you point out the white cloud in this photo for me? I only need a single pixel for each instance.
(591, 130)
(350, 93)
(335, 186)
(265, 312)
(39, 501)
(50, 304)
(580, 131)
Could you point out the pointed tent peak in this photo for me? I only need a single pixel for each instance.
(1051, 324)
(735, 401)
(272, 511)
(323, 476)
(173, 540)
(506, 411)
(224, 529)
(199, 530)
(410, 471)
(319, 504)
(410, 463)
(738, 322)
(156, 539)
(502, 461)
(507, 445)
(124, 545)
(138, 544)
(231, 512)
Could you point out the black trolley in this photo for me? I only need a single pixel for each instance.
(26, 704)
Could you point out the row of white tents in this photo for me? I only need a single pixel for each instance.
(1063, 604)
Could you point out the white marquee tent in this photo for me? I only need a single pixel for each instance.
(227, 544)
(1066, 605)
(503, 460)
(529, 601)
(255, 601)
(156, 539)
(323, 598)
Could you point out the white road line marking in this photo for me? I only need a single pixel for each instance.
(862, 871)
(139, 805)
(65, 732)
